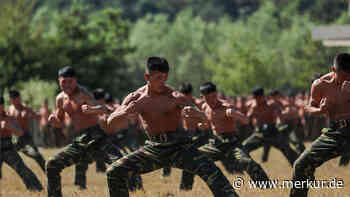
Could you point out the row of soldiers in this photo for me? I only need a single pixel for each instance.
(182, 131)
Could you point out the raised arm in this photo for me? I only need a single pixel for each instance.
(56, 118)
(317, 105)
(231, 112)
(92, 106)
(119, 119)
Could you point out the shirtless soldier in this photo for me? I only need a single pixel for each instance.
(225, 143)
(23, 115)
(265, 116)
(330, 97)
(8, 154)
(44, 126)
(90, 140)
(160, 111)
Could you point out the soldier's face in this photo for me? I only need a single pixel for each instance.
(342, 76)
(156, 80)
(67, 84)
(211, 98)
(15, 100)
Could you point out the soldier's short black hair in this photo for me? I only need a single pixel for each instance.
(275, 93)
(108, 98)
(258, 91)
(2, 100)
(207, 88)
(156, 63)
(99, 93)
(342, 62)
(66, 71)
(14, 94)
(186, 88)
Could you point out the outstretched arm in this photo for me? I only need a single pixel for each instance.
(230, 112)
(119, 119)
(92, 106)
(57, 117)
(317, 105)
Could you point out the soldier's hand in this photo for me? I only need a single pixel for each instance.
(203, 126)
(51, 118)
(324, 105)
(346, 86)
(85, 109)
(3, 124)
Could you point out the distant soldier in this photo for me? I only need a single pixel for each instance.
(9, 155)
(265, 116)
(24, 114)
(274, 99)
(89, 139)
(225, 143)
(49, 137)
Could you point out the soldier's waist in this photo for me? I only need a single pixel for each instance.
(226, 137)
(168, 136)
(92, 130)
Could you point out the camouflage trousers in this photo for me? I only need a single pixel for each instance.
(161, 151)
(288, 130)
(269, 135)
(90, 143)
(26, 145)
(9, 155)
(82, 166)
(199, 138)
(333, 142)
(228, 149)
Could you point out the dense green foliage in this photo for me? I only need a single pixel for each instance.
(238, 43)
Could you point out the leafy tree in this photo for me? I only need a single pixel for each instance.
(268, 49)
(184, 43)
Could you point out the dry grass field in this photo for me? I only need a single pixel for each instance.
(277, 168)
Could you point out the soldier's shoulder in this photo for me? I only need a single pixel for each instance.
(133, 96)
(321, 83)
(60, 95)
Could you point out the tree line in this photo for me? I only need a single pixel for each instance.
(238, 44)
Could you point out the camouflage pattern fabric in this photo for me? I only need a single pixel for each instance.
(167, 150)
(12, 158)
(268, 134)
(228, 149)
(288, 130)
(26, 145)
(333, 142)
(89, 143)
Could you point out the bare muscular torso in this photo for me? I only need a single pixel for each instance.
(22, 114)
(263, 113)
(44, 116)
(159, 113)
(219, 122)
(71, 106)
(338, 101)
